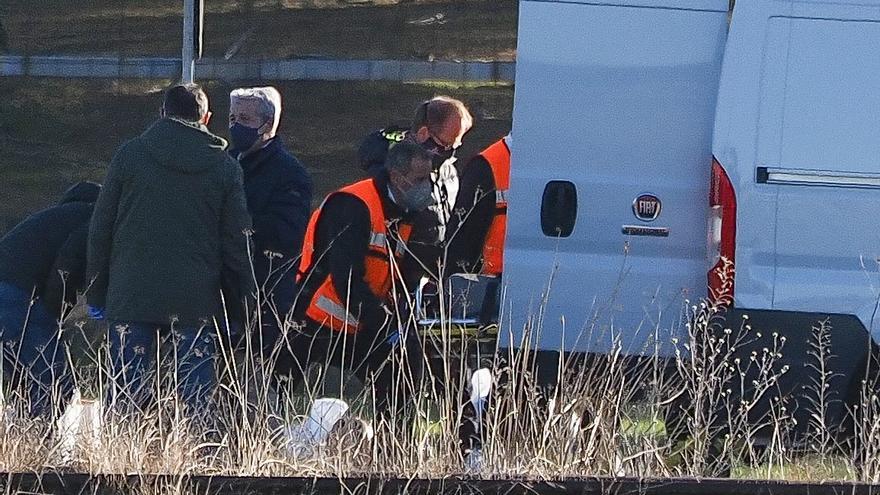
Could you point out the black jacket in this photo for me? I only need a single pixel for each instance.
(374, 147)
(472, 217)
(171, 221)
(46, 253)
(279, 198)
(342, 237)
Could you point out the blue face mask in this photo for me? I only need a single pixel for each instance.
(243, 137)
(418, 197)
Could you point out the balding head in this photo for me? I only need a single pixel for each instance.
(439, 126)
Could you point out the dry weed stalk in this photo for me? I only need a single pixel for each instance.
(709, 410)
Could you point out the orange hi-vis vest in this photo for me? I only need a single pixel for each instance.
(326, 306)
(498, 156)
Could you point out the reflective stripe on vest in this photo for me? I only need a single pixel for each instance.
(378, 240)
(400, 250)
(335, 310)
(498, 156)
(326, 307)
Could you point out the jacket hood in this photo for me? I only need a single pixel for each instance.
(84, 192)
(183, 146)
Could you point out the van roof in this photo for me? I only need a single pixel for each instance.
(698, 5)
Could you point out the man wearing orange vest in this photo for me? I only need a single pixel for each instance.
(349, 271)
(477, 244)
(439, 125)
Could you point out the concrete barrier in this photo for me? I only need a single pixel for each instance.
(292, 69)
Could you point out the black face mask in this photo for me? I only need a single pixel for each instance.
(438, 152)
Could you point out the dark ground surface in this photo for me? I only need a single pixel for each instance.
(75, 484)
(54, 132)
(396, 29)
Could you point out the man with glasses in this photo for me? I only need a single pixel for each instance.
(438, 126)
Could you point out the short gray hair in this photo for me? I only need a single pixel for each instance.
(403, 154)
(269, 99)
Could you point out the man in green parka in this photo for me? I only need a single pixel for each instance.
(167, 243)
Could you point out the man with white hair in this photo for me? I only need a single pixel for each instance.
(279, 196)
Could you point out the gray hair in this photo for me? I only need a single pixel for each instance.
(269, 99)
(403, 154)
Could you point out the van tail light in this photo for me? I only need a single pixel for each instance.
(721, 236)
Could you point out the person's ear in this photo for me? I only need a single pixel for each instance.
(207, 118)
(266, 128)
(422, 134)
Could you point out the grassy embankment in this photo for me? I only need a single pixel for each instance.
(420, 29)
(54, 132)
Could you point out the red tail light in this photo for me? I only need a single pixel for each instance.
(722, 236)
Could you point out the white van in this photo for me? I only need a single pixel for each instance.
(612, 133)
(621, 159)
(796, 176)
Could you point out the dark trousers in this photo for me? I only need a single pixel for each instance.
(392, 367)
(32, 354)
(189, 350)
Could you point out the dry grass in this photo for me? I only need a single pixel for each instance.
(608, 417)
(465, 30)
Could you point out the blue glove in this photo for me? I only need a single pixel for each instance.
(96, 313)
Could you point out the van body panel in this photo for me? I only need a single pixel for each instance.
(798, 98)
(821, 98)
(618, 100)
(828, 251)
(699, 5)
(847, 10)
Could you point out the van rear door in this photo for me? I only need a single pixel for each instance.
(612, 132)
(817, 158)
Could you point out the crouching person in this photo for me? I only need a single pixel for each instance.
(170, 223)
(42, 269)
(349, 278)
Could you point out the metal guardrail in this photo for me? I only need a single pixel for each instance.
(77, 484)
(291, 69)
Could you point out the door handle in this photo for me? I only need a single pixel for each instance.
(559, 208)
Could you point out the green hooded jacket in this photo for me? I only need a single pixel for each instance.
(169, 230)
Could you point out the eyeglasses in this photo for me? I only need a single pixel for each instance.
(432, 144)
